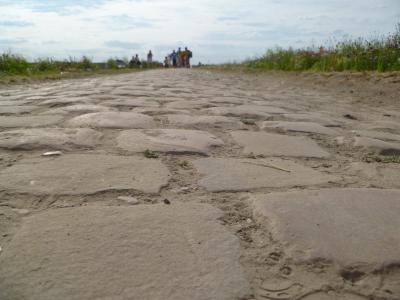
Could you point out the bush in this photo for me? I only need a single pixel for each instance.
(86, 63)
(112, 64)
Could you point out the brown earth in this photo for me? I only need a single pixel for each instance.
(196, 184)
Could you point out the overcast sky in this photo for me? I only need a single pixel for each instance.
(216, 30)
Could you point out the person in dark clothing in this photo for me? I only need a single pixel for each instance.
(135, 62)
(188, 56)
(179, 57)
(138, 63)
(150, 57)
(174, 57)
(132, 62)
(166, 62)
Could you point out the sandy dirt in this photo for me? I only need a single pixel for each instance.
(196, 184)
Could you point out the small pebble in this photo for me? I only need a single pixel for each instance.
(350, 117)
(21, 211)
(184, 190)
(166, 201)
(52, 153)
(129, 200)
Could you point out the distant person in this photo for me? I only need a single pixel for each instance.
(135, 61)
(150, 57)
(132, 62)
(138, 63)
(184, 58)
(188, 56)
(170, 60)
(166, 62)
(174, 57)
(179, 57)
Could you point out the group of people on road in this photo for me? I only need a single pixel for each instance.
(178, 59)
(135, 61)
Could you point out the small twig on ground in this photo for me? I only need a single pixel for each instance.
(268, 165)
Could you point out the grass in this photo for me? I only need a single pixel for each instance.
(14, 64)
(380, 54)
(15, 68)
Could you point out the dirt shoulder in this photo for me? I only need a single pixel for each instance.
(375, 89)
(53, 76)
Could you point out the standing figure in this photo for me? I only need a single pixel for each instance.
(150, 57)
(183, 59)
(137, 60)
(132, 62)
(188, 56)
(174, 57)
(166, 62)
(179, 57)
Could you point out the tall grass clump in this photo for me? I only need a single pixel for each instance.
(12, 64)
(45, 65)
(377, 54)
(72, 64)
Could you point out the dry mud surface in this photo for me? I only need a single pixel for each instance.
(191, 184)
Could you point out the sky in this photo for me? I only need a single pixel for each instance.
(216, 31)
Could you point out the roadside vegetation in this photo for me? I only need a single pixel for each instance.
(380, 54)
(390, 159)
(16, 68)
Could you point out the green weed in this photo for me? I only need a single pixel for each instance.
(150, 154)
(394, 159)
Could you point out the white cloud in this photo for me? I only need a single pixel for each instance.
(216, 30)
